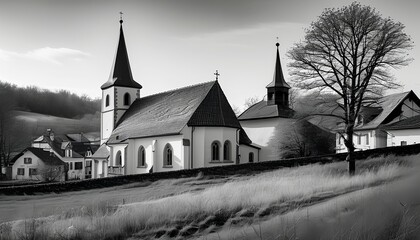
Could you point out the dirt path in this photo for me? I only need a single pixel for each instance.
(21, 207)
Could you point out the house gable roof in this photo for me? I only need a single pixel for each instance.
(390, 105)
(408, 123)
(261, 110)
(101, 153)
(45, 156)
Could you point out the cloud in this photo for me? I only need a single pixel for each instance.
(46, 54)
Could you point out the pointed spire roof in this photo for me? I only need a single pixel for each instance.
(121, 70)
(278, 79)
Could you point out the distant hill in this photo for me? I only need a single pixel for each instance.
(37, 123)
(26, 113)
(33, 99)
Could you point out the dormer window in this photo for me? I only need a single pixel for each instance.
(68, 153)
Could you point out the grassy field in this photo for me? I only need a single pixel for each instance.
(219, 208)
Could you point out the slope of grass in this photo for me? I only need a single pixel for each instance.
(195, 213)
(389, 211)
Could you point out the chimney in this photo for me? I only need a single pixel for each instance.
(51, 133)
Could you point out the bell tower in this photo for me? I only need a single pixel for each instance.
(278, 89)
(120, 91)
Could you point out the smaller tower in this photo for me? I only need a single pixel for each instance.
(278, 89)
(119, 92)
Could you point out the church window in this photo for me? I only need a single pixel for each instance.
(227, 150)
(251, 157)
(215, 151)
(270, 96)
(141, 157)
(167, 155)
(118, 159)
(127, 100)
(107, 100)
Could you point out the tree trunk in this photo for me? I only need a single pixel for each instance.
(350, 148)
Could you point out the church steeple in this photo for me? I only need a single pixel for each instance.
(119, 92)
(121, 71)
(278, 89)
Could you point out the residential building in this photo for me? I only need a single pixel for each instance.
(377, 117)
(38, 164)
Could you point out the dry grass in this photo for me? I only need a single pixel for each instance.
(202, 211)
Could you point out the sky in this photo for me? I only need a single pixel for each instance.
(171, 43)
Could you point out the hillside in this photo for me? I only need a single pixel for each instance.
(61, 103)
(37, 123)
(314, 198)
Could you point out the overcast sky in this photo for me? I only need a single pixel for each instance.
(171, 43)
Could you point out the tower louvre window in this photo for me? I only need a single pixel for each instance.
(107, 100)
(127, 99)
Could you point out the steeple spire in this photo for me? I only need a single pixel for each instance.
(278, 78)
(278, 89)
(121, 71)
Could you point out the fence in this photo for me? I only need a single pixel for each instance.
(58, 187)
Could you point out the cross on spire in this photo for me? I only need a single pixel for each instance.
(217, 75)
(121, 20)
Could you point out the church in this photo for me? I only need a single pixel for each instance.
(185, 128)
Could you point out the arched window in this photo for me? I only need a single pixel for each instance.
(251, 157)
(227, 150)
(167, 155)
(127, 99)
(118, 160)
(215, 151)
(107, 100)
(141, 157)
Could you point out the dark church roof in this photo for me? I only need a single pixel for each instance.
(169, 112)
(261, 110)
(121, 71)
(278, 78)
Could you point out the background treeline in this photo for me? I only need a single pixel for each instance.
(60, 104)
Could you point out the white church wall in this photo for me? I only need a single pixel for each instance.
(262, 131)
(245, 151)
(403, 137)
(133, 154)
(204, 137)
(178, 154)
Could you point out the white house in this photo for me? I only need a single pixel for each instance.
(37, 164)
(185, 128)
(74, 149)
(377, 118)
(403, 132)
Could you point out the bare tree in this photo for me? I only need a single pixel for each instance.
(50, 173)
(251, 101)
(349, 52)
